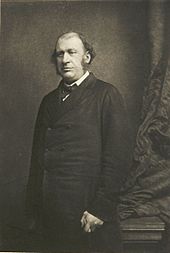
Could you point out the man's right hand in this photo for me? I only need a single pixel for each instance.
(90, 222)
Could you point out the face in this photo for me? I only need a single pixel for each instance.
(71, 58)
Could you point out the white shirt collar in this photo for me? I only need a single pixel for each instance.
(79, 81)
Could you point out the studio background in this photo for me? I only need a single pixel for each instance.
(118, 32)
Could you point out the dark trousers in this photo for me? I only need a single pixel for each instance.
(106, 239)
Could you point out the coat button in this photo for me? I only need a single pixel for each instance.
(62, 148)
(49, 128)
(68, 126)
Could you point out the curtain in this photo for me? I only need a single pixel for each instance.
(147, 189)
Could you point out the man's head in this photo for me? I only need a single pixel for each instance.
(72, 55)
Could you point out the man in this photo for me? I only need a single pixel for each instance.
(80, 156)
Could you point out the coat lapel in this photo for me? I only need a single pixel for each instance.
(61, 108)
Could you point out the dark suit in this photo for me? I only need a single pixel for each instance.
(79, 161)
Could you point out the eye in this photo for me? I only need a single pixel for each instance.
(72, 51)
(59, 54)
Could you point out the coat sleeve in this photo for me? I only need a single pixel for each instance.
(116, 155)
(34, 186)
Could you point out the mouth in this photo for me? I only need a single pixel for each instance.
(66, 69)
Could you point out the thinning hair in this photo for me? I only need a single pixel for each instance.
(87, 46)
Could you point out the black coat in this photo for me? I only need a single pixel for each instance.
(79, 161)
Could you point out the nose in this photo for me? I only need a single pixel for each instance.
(66, 57)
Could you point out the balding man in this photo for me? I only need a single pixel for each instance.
(80, 156)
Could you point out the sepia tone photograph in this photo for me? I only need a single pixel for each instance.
(85, 126)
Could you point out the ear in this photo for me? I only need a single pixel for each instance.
(87, 57)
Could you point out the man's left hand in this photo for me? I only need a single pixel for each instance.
(89, 222)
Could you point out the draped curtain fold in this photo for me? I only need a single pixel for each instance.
(147, 189)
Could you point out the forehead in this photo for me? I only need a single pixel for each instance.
(68, 42)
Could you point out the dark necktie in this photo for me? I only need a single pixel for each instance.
(66, 90)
